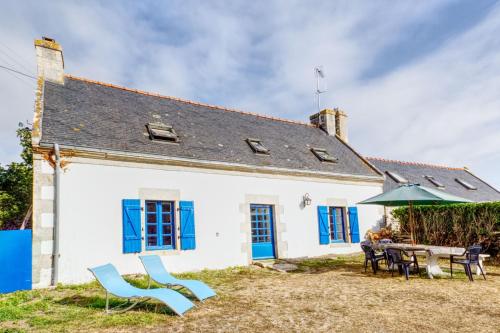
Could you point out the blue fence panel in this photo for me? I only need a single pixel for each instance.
(15, 260)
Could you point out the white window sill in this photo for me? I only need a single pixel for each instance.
(159, 252)
(340, 245)
(162, 252)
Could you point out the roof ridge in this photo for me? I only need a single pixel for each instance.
(142, 92)
(414, 163)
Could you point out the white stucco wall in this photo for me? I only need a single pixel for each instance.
(91, 215)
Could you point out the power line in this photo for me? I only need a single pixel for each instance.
(13, 72)
(17, 62)
(18, 72)
(19, 55)
(22, 80)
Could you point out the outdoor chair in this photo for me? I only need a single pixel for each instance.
(395, 257)
(471, 258)
(114, 284)
(387, 259)
(372, 257)
(157, 272)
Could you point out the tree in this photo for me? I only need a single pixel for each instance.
(16, 183)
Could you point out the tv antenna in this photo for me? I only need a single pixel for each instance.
(319, 72)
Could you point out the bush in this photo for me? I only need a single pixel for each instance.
(16, 185)
(455, 225)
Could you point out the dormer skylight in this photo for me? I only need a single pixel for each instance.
(465, 184)
(397, 178)
(323, 155)
(434, 181)
(257, 146)
(162, 132)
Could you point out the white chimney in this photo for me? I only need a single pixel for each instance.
(50, 60)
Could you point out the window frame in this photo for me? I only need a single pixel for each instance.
(466, 184)
(397, 177)
(434, 181)
(328, 159)
(332, 222)
(159, 225)
(252, 142)
(262, 235)
(151, 127)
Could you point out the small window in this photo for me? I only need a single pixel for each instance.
(160, 225)
(161, 132)
(434, 181)
(257, 146)
(336, 217)
(465, 184)
(323, 155)
(397, 178)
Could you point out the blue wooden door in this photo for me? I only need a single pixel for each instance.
(15, 260)
(261, 217)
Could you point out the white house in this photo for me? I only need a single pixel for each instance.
(120, 172)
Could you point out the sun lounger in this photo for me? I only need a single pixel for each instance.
(157, 272)
(114, 284)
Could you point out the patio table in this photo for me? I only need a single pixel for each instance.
(432, 254)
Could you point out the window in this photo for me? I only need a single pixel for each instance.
(161, 132)
(434, 181)
(261, 219)
(337, 224)
(160, 225)
(257, 146)
(465, 184)
(323, 155)
(397, 178)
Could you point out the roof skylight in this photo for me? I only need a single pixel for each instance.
(465, 184)
(397, 178)
(434, 181)
(257, 146)
(323, 155)
(161, 132)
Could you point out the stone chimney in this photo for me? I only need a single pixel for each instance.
(332, 121)
(49, 60)
(341, 124)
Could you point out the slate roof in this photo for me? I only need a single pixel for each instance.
(415, 172)
(90, 114)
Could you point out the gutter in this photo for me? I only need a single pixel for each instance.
(55, 237)
(179, 161)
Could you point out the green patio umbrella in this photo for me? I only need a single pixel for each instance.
(413, 194)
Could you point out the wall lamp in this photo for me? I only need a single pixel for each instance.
(306, 200)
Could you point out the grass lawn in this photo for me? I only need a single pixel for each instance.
(324, 295)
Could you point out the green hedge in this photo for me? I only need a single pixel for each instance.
(455, 225)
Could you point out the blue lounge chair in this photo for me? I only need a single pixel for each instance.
(157, 272)
(114, 284)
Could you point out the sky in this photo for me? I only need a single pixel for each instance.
(419, 80)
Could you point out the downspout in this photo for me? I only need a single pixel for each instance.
(55, 237)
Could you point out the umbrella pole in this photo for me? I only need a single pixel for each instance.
(412, 227)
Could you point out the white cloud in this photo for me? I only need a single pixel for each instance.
(442, 107)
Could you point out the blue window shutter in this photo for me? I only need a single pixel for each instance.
(354, 224)
(131, 214)
(188, 241)
(323, 225)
